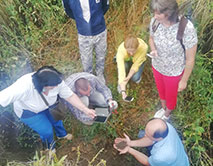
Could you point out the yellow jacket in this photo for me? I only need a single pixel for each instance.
(138, 58)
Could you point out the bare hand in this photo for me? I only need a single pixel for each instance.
(126, 139)
(118, 140)
(122, 151)
(91, 113)
(182, 85)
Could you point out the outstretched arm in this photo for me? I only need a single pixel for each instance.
(142, 158)
(76, 102)
(143, 142)
(129, 76)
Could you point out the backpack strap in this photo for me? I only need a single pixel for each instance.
(181, 29)
(155, 25)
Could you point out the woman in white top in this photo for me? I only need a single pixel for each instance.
(31, 108)
(173, 59)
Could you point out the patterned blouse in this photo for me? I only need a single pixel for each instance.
(171, 58)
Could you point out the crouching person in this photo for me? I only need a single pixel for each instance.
(92, 92)
(26, 95)
(163, 142)
(130, 58)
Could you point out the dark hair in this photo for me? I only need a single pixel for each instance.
(161, 133)
(82, 84)
(46, 76)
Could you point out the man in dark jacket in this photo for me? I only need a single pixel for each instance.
(92, 33)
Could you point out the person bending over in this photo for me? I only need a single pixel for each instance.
(130, 58)
(91, 91)
(166, 148)
(25, 94)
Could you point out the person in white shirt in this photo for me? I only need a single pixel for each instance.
(31, 108)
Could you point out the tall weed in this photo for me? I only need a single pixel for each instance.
(195, 110)
(195, 114)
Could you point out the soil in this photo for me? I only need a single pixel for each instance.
(121, 145)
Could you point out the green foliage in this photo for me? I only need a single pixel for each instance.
(23, 26)
(195, 110)
(89, 132)
(49, 158)
(37, 31)
(32, 19)
(195, 114)
(27, 138)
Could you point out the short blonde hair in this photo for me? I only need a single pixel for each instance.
(167, 7)
(131, 42)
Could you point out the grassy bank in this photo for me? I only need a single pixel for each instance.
(37, 32)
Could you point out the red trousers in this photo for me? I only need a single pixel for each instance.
(167, 88)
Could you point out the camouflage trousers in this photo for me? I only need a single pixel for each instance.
(97, 43)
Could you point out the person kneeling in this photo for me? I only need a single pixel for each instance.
(130, 60)
(161, 139)
(92, 92)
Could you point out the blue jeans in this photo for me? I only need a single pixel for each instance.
(43, 123)
(138, 74)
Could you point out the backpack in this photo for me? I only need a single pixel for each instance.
(67, 8)
(181, 29)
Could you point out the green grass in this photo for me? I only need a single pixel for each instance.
(38, 31)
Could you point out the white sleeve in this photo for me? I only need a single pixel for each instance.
(64, 91)
(17, 91)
